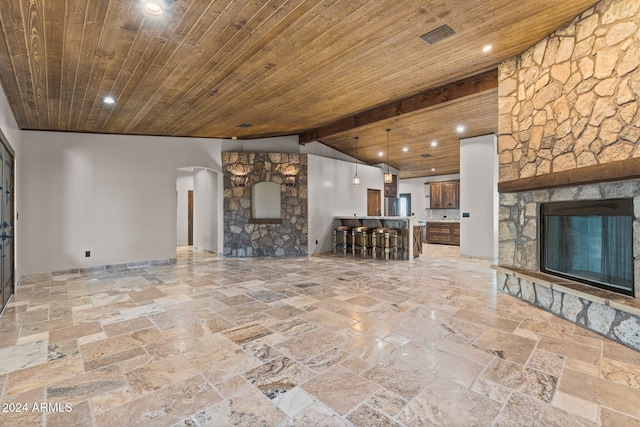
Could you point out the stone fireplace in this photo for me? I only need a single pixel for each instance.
(519, 271)
(569, 132)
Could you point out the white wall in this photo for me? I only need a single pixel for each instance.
(184, 184)
(478, 191)
(205, 210)
(319, 149)
(280, 144)
(12, 136)
(331, 194)
(112, 195)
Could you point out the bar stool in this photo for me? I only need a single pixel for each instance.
(361, 240)
(342, 238)
(385, 242)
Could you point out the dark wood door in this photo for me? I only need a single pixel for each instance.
(373, 202)
(190, 218)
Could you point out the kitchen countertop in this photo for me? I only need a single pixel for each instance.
(424, 221)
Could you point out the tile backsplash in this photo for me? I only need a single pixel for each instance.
(436, 214)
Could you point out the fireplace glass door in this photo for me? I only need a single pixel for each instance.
(590, 241)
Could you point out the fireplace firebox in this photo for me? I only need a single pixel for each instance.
(590, 242)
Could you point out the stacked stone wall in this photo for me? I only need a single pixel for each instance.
(571, 100)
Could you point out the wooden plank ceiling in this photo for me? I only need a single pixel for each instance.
(203, 68)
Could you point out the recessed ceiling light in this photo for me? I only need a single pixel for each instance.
(154, 7)
(434, 143)
(405, 149)
(108, 100)
(487, 48)
(380, 153)
(433, 169)
(460, 129)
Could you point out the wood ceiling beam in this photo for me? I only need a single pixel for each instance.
(430, 98)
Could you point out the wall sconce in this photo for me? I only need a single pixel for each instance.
(239, 180)
(239, 174)
(290, 172)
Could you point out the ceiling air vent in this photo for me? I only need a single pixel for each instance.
(438, 34)
(426, 155)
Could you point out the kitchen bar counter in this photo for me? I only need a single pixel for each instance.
(401, 223)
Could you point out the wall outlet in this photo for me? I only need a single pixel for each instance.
(87, 254)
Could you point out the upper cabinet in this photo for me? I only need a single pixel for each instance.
(445, 194)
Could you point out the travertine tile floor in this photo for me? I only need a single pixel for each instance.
(299, 342)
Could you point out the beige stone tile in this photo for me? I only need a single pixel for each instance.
(23, 356)
(505, 346)
(575, 405)
(278, 376)
(620, 372)
(284, 312)
(492, 390)
(609, 418)
(127, 326)
(371, 350)
(113, 345)
(42, 375)
(329, 388)
(245, 333)
(443, 403)
(487, 320)
(249, 408)
(365, 415)
(78, 415)
(46, 326)
(386, 402)
(231, 386)
(310, 344)
(356, 364)
(400, 378)
(517, 377)
(165, 406)
(615, 351)
(522, 410)
(160, 374)
(444, 365)
(570, 349)
(616, 396)
(44, 337)
(328, 319)
(546, 362)
(74, 332)
(20, 409)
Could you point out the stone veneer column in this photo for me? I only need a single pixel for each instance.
(571, 100)
(242, 239)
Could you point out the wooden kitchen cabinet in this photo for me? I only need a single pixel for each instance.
(445, 233)
(445, 194)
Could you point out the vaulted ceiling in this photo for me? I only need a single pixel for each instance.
(209, 68)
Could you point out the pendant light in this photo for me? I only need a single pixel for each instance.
(388, 177)
(356, 178)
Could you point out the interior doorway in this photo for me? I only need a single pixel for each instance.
(374, 203)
